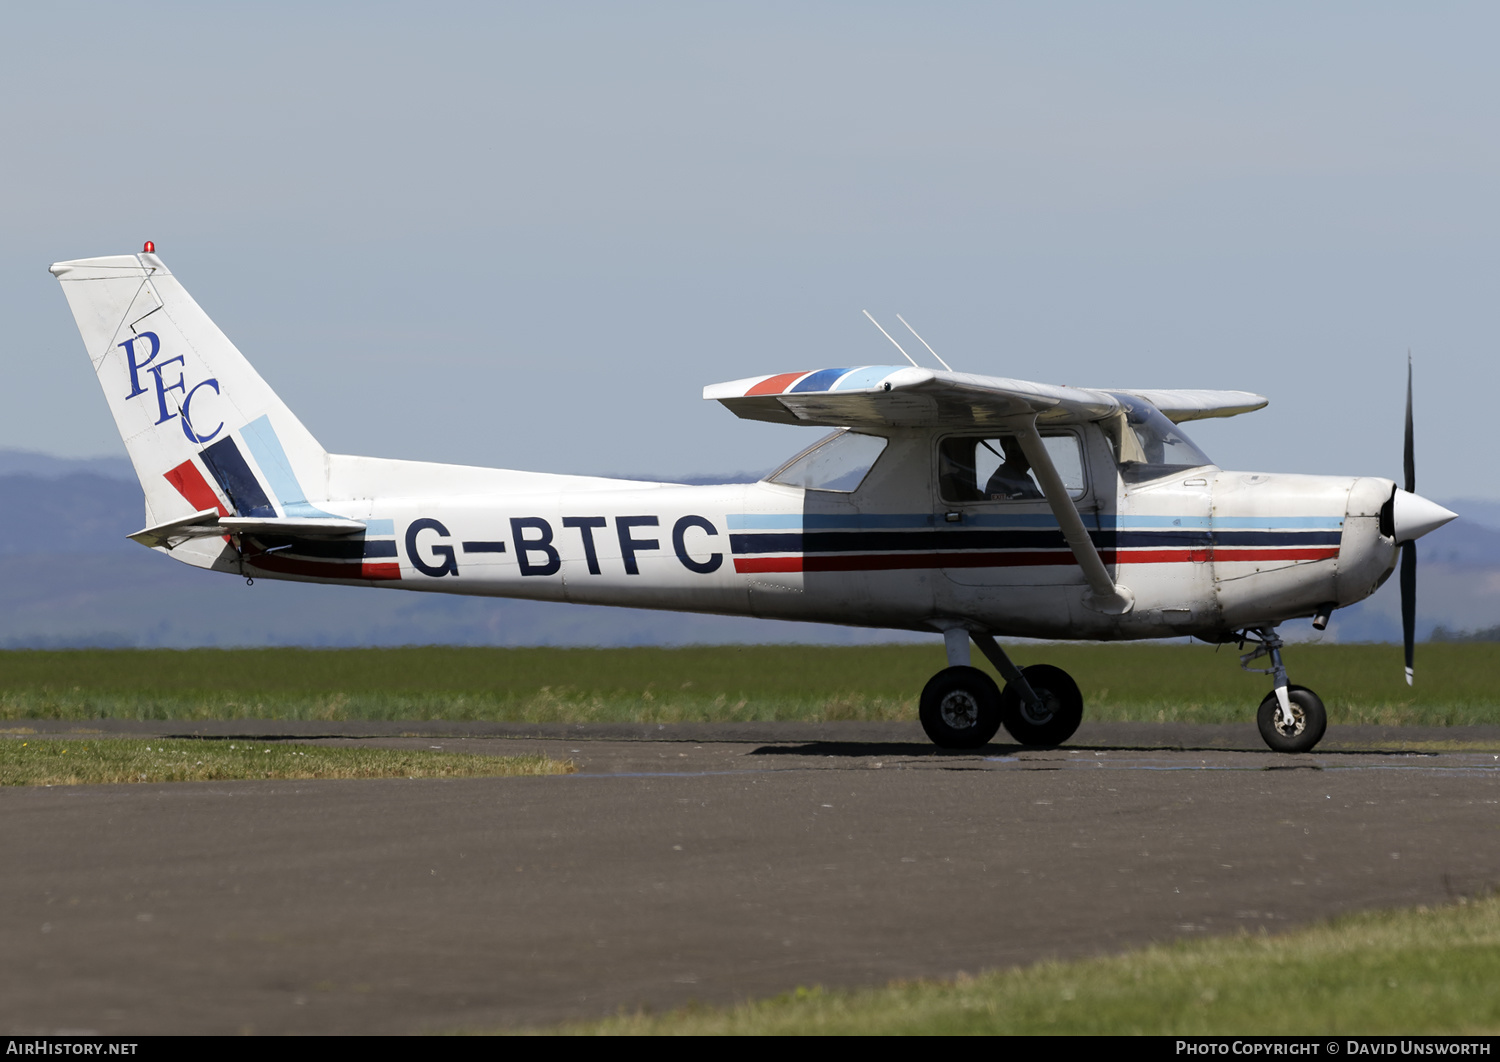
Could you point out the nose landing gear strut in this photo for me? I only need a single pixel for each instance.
(1291, 718)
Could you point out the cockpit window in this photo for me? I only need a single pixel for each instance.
(838, 462)
(1147, 445)
(993, 468)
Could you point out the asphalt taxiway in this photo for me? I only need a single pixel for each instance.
(696, 862)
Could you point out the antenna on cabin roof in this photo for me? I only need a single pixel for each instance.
(887, 335)
(922, 341)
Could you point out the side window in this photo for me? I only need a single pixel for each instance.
(993, 468)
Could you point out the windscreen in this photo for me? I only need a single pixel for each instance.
(1147, 445)
(839, 462)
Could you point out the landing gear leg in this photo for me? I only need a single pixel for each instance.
(1041, 704)
(1291, 718)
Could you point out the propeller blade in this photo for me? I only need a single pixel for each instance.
(1408, 455)
(1409, 549)
(1409, 605)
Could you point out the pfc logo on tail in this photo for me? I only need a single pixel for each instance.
(161, 386)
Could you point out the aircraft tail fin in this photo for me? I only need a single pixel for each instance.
(203, 430)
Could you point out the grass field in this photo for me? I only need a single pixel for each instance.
(84, 761)
(1456, 683)
(1385, 973)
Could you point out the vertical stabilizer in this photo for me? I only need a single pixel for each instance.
(202, 428)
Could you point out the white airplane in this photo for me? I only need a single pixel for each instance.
(970, 506)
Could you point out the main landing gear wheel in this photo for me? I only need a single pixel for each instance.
(960, 708)
(1309, 721)
(1059, 714)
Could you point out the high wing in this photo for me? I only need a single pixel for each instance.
(1180, 405)
(895, 396)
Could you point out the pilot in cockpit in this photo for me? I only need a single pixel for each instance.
(1012, 479)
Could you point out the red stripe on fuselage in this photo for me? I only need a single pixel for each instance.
(1162, 556)
(1232, 555)
(1014, 559)
(752, 565)
(273, 562)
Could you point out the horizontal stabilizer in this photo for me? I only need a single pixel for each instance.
(207, 523)
(201, 524)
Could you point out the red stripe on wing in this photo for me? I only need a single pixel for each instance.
(776, 384)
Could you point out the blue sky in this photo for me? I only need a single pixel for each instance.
(527, 235)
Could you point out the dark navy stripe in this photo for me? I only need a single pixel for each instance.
(1229, 538)
(1278, 538)
(236, 480)
(328, 548)
(484, 547)
(1191, 539)
(810, 542)
(884, 541)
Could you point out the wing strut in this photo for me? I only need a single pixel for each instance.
(1108, 596)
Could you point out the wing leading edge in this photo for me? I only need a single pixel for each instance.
(902, 396)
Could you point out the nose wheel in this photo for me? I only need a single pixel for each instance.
(1304, 730)
(1291, 718)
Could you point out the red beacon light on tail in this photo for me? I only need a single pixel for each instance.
(150, 248)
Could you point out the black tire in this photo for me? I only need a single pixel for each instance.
(1312, 721)
(1062, 707)
(960, 708)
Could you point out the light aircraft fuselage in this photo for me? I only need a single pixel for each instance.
(963, 505)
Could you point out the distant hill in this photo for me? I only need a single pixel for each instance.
(45, 466)
(70, 577)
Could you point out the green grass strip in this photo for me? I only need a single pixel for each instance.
(1406, 972)
(1457, 684)
(95, 761)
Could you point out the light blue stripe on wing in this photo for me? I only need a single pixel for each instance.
(866, 377)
